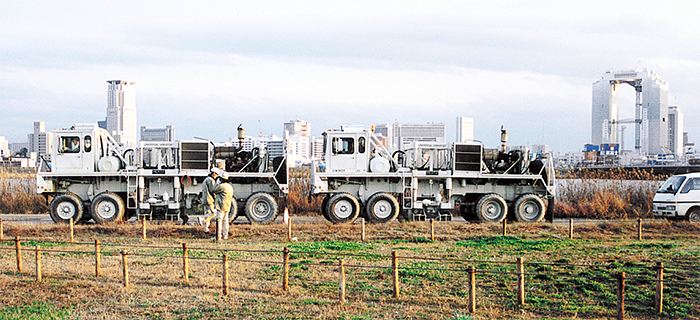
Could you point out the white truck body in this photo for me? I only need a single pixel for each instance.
(361, 178)
(89, 176)
(679, 198)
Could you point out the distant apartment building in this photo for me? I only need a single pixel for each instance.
(18, 146)
(158, 134)
(298, 128)
(40, 141)
(4, 147)
(121, 111)
(273, 144)
(299, 142)
(539, 149)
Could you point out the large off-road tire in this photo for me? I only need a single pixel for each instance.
(529, 208)
(693, 215)
(491, 208)
(65, 207)
(261, 208)
(342, 208)
(107, 207)
(233, 213)
(382, 208)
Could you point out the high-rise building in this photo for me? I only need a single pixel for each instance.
(675, 131)
(298, 128)
(121, 111)
(651, 110)
(158, 134)
(40, 141)
(385, 134)
(465, 129)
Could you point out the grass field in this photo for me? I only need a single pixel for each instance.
(565, 278)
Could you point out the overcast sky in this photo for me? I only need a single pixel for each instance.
(207, 66)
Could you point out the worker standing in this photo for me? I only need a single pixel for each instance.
(223, 196)
(208, 200)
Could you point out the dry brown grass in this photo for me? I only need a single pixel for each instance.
(18, 193)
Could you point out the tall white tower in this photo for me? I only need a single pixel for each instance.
(675, 131)
(465, 129)
(121, 111)
(651, 110)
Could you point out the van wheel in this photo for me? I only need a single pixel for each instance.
(694, 215)
(342, 208)
(65, 207)
(107, 207)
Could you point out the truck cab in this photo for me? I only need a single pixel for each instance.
(679, 197)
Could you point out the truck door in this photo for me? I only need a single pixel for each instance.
(343, 158)
(69, 155)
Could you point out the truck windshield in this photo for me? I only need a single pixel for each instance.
(671, 185)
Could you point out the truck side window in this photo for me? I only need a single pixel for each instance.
(69, 145)
(343, 146)
(361, 145)
(88, 143)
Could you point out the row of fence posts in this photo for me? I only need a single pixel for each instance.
(471, 270)
(362, 232)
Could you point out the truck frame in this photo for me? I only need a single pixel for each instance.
(361, 178)
(90, 176)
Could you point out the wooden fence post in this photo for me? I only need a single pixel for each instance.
(571, 228)
(285, 269)
(395, 270)
(639, 229)
(362, 236)
(38, 264)
(18, 249)
(143, 228)
(505, 227)
(72, 239)
(341, 280)
(620, 295)
(125, 268)
(2, 233)
(432, 229)
(185, 263)
(98, 269)
(225, 275)
(472, 289)
(521, 282)
(659, 299)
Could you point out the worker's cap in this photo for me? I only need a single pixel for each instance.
(216, 170)
(224, 174)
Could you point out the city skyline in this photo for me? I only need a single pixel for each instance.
(205, 68)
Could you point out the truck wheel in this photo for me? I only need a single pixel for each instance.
(64, 207)
(233, 213)
(491, 208)
(261, 208)
(324, 204)
(107, 207)
(382, 208)
(342, 208)
(529, 208)
(693, 215)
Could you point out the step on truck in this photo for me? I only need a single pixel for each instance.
(360, 178)
(89, 176)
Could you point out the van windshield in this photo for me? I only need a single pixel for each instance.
(671, 185)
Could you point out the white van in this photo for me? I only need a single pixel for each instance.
(679, 197)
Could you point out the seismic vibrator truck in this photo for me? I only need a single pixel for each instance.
(428, 181)
(90, 176)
